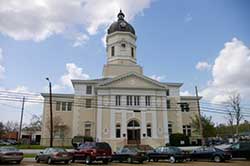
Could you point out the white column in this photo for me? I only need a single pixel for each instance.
(165, 119)
(112, 124)
(154, 124)
(99, 119)
(143, 124)
(124, 123)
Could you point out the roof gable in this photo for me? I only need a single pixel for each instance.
(132, 80)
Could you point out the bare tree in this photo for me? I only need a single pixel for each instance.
(34, 125)
(11, 126)
(234, 111)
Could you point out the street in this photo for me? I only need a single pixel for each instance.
(31, 162)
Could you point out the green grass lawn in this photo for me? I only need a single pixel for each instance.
(29, 155)
(37, 147)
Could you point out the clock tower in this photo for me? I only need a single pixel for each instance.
(121, 49)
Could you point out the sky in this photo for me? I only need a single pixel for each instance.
(204, 43)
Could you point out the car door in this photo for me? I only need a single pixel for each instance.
(235, 150)
(165, 153)
(42, 156)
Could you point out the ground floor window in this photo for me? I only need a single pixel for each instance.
(149, 132)
(187, 130)
(118, 131)
(87, 129)
(170, 129)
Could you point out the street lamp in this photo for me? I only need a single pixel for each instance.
(51, 115)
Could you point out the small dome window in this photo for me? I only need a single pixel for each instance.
(123, 45)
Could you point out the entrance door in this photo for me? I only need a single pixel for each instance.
(134, 132)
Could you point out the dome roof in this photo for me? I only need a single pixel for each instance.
(121, 25)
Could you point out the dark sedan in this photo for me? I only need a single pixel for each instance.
(51, 155)
(170, 153)
(10, 154)
(210, 153)
(129, 154)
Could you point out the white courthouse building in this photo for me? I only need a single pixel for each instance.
(124, 106)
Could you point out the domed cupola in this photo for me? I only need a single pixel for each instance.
(121, 25)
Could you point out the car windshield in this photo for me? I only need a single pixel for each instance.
(174, 149)
(59, 150)
(133, 149)
(102, 146)
(8, 149)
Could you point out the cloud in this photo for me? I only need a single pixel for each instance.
(188, 18)
(64, 84)
(39, 19)
(203, 66)
(80, 40)
(231, 72)
(2, 69)
(157, 78)
(185, 93)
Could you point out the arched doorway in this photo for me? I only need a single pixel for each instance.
(133, 132)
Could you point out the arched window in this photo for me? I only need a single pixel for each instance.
(118, 131)
(133, 123)
(149, 132)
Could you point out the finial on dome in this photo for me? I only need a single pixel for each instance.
(121, 15)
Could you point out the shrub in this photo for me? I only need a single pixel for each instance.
(176, 139)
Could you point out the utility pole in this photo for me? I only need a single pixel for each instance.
(199, 115)
(51, 114)
(21, 122)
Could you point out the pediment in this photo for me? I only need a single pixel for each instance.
(132, 80)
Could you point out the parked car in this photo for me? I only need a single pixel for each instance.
(11, 141)
(129, 154)
(51, 155)
(210, 153)
(240, 150)
(3, 142)
(93, 151)
(10, 154)
(170, 153)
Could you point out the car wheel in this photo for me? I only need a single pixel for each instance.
(66, 162)
(141, 161)
(37, 159)
(18, 162)
(217, 159)
(172, 159)
(88, 160)
(130, 160)
(105, 161)
(155, 160)
(49, 161)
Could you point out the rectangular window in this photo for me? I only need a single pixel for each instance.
(63, 106)
(118, 131)
(136, 100)
(170, 130)
(89, 89)
(132, 51)
(147, 100)
(167, 92)
(149, 132)
(117, 100)
(88, 103)
(168, 104)
(69, 106)
(58, 105)
(129, 100)
(87, 131)
(113, 51)
(184, 107)
(184, 130)
(189, 130)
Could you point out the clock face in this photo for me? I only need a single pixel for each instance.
(123, 24)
